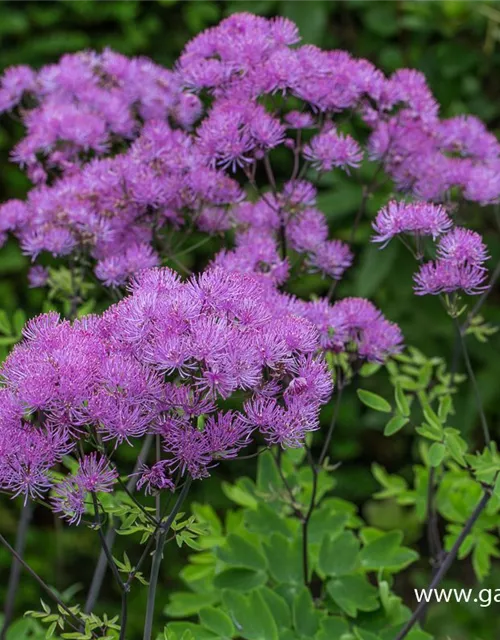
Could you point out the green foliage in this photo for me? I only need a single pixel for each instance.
(462, 476)
(63, 619)
(253, 576)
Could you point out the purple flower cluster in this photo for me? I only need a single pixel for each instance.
(415, 218)
(305, 230)
(461, 253)
(354, 326)
(114, 208)
(94, 475)
(130, 149)
(86, 104)
(424, 155)
(164, 360)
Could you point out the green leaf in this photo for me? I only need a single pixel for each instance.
(5, 326)
(385, 552)
(353, 593)
(374, 401)
(278, 607)
(339, 555)
(197, 630)
(395, 424)
(456, 446)
(333, 627)
(217, 621)
(284, 559)
(401, 401)
(445, 407)
(363, 634)
(239, 552)
(432, 418)
(368, 369)
(426, 431)
(326, 521)
(268, 477)
(437, 453)
(305, 616)
(240, 579)
(264, 520)
(251, 615)
(184, 604)
(238, 494)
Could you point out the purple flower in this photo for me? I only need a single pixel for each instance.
(482, 183)
(38, 276)
(356, 326)
(445, 276)
(14, 83)
(331, 149)
(95, 474)
(462, 246)
(156, 478)
(308, 231)
(415, 218)
(299, 120)
(332, 257)
(225, 435)
(69, 500)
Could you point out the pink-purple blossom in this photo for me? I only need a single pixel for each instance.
(162, 361)
(413, 218)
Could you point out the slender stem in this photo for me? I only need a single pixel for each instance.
(102, 563)
(283, 243)
(144, 554)
(269, 172)
(107, 551)
(296, 155)
(307, 518)
(443, 569)
(124, 615)
(149, 544)
(277, 458)
(282, 229)
(158, 494)
(470, 371)
(15, 570)
(331, 428)
(114, 570)
(140, 506)
(193, 247)
(433, 537)
(39, 580)
(252, 455)
(157, 558)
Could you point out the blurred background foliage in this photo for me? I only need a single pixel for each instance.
(457, 45)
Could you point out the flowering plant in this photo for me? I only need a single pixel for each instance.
(134, 166)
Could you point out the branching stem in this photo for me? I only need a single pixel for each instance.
(157, 558)
(443, 569)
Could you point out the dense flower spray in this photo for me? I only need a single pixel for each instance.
(88, 104)
(164, 360)
(124, 151)
(460, 253)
